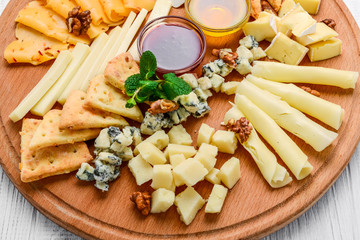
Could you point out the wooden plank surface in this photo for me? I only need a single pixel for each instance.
(337, 223)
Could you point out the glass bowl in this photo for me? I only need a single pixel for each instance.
(219, 32)
(178, 22)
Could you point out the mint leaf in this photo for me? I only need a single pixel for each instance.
(174, 86)
(130, 103)
(148, 65)
(132, 84)
(146, 90)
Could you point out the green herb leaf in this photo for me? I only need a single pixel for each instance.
(146, 90)
(148, 65)
(132, 84)
(130, 103)
(174, 86)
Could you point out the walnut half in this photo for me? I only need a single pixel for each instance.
(330, 22)
(142, 202)
(78, 22)
(162, 106)
(242, 127)
(226, 55)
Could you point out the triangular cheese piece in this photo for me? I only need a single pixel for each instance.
(105, 97)
(48, 161)
(48, 133)
(77, 115)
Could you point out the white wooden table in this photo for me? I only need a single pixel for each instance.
(335, 216)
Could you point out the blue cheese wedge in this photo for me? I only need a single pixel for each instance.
(190, 79)
(249, 42)
(210, 69)
(204, 83)
(225, 69)
(258, 53)
(85, 172)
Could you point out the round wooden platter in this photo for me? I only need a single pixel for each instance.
(252, 209)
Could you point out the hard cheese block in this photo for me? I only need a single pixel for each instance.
(311, 6)
(262, 28)
(323, 32)
(325, 49)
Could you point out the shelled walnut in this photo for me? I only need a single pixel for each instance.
(226, 55)
(162, 106)
(242, 127)
(142, 201)
(330, 22)
(78, 22)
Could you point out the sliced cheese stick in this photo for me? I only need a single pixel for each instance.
(45, 104)
(280, 72)
(289, 152)
(275, 174)
(76, 81)
(161, 8)
(327, 112)
(288, 117)
(55, 71)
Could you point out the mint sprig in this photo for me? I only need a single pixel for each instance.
(147, 86)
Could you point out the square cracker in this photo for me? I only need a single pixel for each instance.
(48, 161)
(108, 98)
(77, 115)
(48, 133)
(119, 69)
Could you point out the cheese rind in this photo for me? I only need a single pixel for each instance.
(262, 28)
(188, 203)
(216, 199)
(325, 50)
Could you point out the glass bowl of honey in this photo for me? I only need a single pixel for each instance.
(178, 44)
(218, 17)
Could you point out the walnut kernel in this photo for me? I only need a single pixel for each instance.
(226, 55)
(78, 22)
(242, 127)
(142, 202)
(330, 22)
(162, 106)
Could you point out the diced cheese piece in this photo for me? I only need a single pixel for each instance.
(162, 177)
(205, 134)
(299, 22)
(243, 66)
(286, 50)
(262, 28)
(311, 6)
(216, 199)
(216, 81)
(190, 171)
(325, 50)
(188, 203)
(160, 139)
(188, 151)
(178, 180)
(178, 135)
(258, 53)
(286, 6)
(208, 148)
(141, 170)
(244, 53)
(161, 200)
(204, 83)
(190, 79)
(206, 159)
(151, 154)
(229, 87)
(230, 172)
(176, 159)
(323, 32)
(52, 75)
(213, 176)
(225, 141)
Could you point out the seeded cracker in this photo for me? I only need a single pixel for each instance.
(48, 161)
(103, 96)
(48, 133)
(77, 115)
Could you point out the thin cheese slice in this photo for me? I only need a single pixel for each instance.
(55, 71)
(115, 9)
(289, 152)
(97, 11)
(45, 104)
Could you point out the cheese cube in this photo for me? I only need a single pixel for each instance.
(229, 87)
(213, 176)
(225, 141)
(188, 151)
(210, 149)
(177, 180)
(176, 159)
(286, 50)
(178, 135)
(151, 154)
(216, 199)
(201, 94)
(311, 6)
(190, 79)
(286, 6)
(207, 160)
(244, 53)
(323, 32)
(204, 83)
(230, 172)
(190, 171)
(233, 113)
(205, 134)
(243, 66)
(162, 177)
(216, 81)
(141, 170)
(325, 50)
(299, 22)
(262, 28)
(188, 203)
(161, 200)
(160, 139)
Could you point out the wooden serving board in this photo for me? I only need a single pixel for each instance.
(252, 208)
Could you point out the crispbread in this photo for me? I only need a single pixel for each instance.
(48, 133)
(103, 96)
(77, 115)
(48, 161)
(119, 69)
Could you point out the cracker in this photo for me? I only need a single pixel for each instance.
(77, 115)
(276, 4)
(108, 98)
(255, 8)
(48, 161)
(48, 133)
(119, 69)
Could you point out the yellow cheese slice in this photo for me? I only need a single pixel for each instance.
(97, 11)
(262, 28)
(323, 32)
(46, 21)
(115, 9)
(325, 50)
(137, 5)
(286, 6)
(299, 22)
(311, 6)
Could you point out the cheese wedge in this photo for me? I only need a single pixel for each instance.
(262, 28)
(286, 6)
(188, 203)
(323, 32)
(325, 50)
(311, 6)
(286, 50)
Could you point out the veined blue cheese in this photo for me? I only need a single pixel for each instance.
(204, 83)
(216, 81)
(210, 69)
(225, 69)
(190, 79)
(103, 140)
(243, 66)
(85, 172)
(249, 42)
